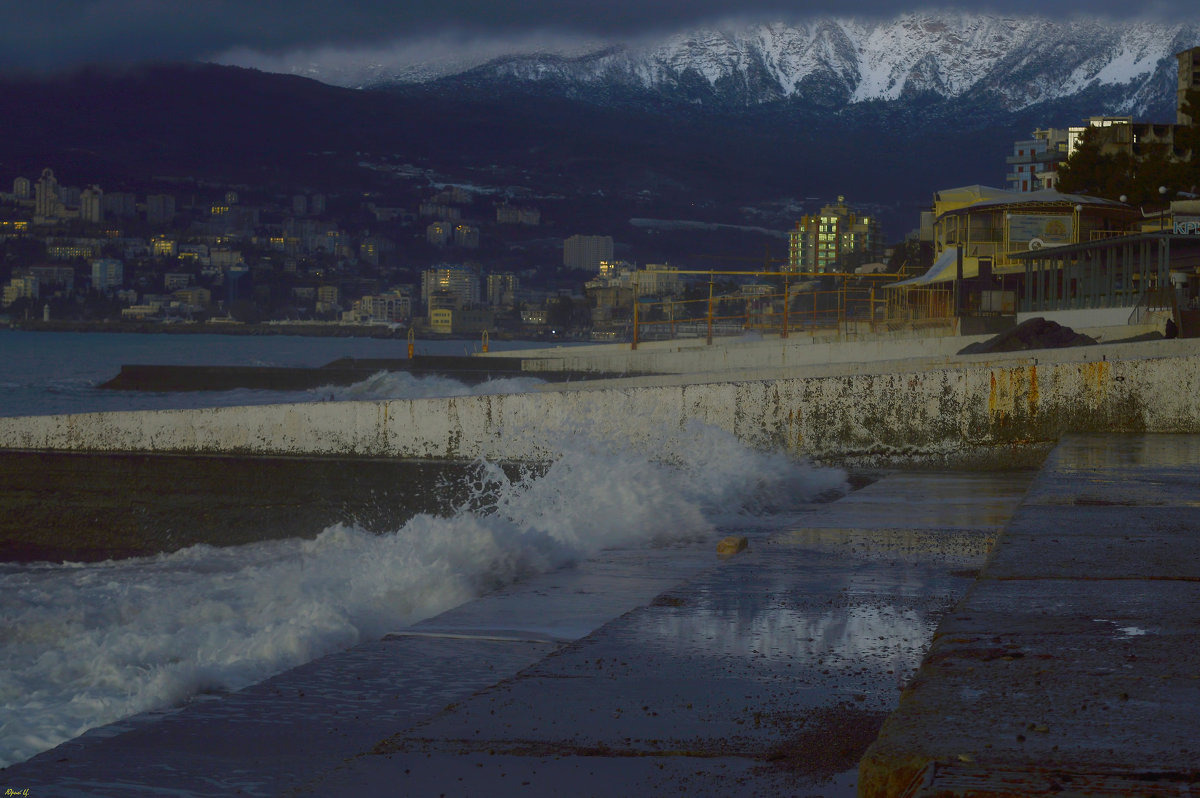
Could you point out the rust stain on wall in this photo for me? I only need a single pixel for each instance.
(1096, 378)
(796, 428)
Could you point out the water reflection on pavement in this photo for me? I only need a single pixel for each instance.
(767, 674)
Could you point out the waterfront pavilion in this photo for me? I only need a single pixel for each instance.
(1154, 269)
(992, 226)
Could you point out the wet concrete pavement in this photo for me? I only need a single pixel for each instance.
(1069, 667)
(767, 675)
(639, 673)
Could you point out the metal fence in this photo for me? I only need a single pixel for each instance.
(792, 303)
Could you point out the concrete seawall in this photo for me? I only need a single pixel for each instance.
(987, 411)
(798, 351)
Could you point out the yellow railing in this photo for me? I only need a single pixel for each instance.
(855, 299)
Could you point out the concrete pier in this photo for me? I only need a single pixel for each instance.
(1070, 666)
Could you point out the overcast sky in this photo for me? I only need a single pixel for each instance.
(55, 34)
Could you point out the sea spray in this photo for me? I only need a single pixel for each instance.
(403, 385)
(85, 645)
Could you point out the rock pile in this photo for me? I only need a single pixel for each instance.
(1032, 334)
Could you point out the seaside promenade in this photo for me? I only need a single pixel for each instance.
(1065, 667)
(1060, 602)
(642, 672)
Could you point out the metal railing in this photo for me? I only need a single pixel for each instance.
(795, 303)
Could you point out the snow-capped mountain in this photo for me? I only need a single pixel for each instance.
(1013, 62)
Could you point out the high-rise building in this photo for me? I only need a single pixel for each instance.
(821, 242)
(91, 205)
(460, 281)
(502, 289)
(586, 253)
(107, 273)
(46, 195)
(438, 233)
(22, 188)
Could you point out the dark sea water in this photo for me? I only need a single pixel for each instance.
(43, 373)
(84, 643)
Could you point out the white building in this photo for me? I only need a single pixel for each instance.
(393, 306)
(658, 280)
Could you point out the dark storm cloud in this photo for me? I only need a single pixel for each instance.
(61, 33)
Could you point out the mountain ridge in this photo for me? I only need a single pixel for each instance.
(773, 123)
(1017, 62)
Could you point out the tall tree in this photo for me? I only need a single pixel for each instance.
(1091, 170)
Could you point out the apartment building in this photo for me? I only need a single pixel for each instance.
(824, 242)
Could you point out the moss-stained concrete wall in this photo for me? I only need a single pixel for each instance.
(983, 413)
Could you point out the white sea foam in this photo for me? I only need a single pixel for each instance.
(85, 645)
(402, 385)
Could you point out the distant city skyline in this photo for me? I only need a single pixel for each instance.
(64, 34)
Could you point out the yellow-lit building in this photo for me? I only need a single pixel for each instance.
(461, 281)
(19, 288)
(459, 320)
(70, 250)
(1086, 259)
(195, 297)
(822, 242)
(991, 225)
(163, 247)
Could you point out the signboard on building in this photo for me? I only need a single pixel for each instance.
(1187, 225)
(1034, 231)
